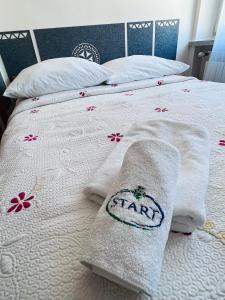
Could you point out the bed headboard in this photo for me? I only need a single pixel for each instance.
(2, 85)
(17, 51)
(99, 43)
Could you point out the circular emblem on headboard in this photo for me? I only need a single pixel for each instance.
(87, 51)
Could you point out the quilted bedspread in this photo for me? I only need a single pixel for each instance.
(50, 150)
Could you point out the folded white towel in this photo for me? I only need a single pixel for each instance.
(193, 144)
(129, 235)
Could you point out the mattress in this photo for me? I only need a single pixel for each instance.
(50, 150)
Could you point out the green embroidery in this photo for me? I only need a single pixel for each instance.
(139, 192)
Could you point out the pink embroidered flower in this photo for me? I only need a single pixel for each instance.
(91, 108)
(114, 85)
(20, 202)
(158, 109)
(115, 137)
(222, 143)
(34, 111)
(160, 82)
(186, 90)
(35, 99)
(30, 138)
(83, 94)
(129, 94)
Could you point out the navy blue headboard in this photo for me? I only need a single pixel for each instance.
(139, 38)
(166, 36)
(17, 51)
(99, 43)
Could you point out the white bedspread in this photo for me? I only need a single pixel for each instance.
(50, 150)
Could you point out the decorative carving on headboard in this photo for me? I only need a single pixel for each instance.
(13, 35)
(140, 25)
(166, 36)
(139, 37)
(167, 23)
(17, 51)
(87, 51)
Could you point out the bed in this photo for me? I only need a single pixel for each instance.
(55, 143)
(50, 150)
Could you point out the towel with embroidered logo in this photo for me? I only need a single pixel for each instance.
(127, 240)
(192, 142)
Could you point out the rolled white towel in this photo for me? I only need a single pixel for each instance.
(193, 144)
(128, 238)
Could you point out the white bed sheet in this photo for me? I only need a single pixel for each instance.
(40, 244)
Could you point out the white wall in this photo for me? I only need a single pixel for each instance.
(207, 18)
(30, 14)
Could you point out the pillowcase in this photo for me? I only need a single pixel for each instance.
(139, 67)
(56, 75)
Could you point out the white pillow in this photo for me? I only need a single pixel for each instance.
(139, 67)
(56, 75)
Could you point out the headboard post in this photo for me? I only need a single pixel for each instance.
(4, 80)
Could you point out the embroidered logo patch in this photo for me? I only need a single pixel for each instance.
(135, 208)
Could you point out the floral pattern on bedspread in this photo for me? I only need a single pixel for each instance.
(222, 143)
(210, 228)
(34, 111)
(91, 108)
(41, 241)
(20, 202)
(30, 138)
(159, 109)
(115, 137)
